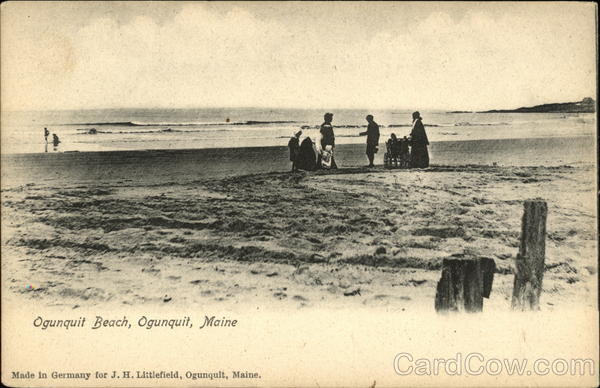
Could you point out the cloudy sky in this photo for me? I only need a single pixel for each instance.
(64, 55)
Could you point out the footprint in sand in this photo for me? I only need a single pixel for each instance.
(151, 270)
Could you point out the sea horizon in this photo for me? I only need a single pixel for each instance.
(297, 107)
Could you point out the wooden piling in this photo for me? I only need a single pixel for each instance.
(464, 283)
(529, 271)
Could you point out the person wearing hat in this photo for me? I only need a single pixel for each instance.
(294, 146)
(372, 134)
(419, 142)
(327, 136)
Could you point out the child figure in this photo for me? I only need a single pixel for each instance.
(55, 140)
(392, 151)
(404, 152)
(327, 157)
(294, 145)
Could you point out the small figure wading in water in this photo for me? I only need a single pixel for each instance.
(372, 134)
(55, 141)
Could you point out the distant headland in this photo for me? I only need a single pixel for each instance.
(587, 105)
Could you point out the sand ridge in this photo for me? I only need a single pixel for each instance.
(331, 238)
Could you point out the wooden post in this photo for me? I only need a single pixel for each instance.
(464, 283)
(530, 259)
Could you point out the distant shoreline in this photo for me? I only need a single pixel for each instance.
(587, 105)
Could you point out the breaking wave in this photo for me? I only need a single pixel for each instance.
(189, 124)
(469, 124)
(93, 131)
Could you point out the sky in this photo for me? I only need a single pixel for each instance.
(327, 55)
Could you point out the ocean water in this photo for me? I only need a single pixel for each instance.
(152, 129)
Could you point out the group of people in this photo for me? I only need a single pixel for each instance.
(55, 139)
(310, 156)
(409, 151)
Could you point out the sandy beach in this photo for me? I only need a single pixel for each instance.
(234, 228)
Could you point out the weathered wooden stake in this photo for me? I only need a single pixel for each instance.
(530, 259)
(464, 284)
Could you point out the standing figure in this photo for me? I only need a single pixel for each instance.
(294, 146)
(372, 134)
(328, 138)
(46, 134)
(419, 143)
(404, 152)
(392, 154)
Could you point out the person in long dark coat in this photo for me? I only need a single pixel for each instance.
(372, 139)
(294, 146)
(308, 156)
(419, 157)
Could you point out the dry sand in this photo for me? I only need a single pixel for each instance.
(350, 238)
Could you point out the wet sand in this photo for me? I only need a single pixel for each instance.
(163, 166)
(233, 227)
